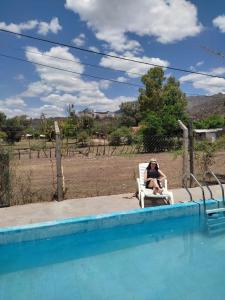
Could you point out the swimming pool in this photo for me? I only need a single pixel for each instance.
(166, 254)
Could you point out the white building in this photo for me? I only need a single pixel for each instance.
(208, 134)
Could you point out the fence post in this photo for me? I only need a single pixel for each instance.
(5, 186)
(186, 173)
(191, 151)
(58, 163)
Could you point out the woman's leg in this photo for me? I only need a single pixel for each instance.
(154, 185)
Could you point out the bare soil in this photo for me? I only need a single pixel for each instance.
(87, 177)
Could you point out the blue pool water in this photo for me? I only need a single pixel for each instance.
(169, 259)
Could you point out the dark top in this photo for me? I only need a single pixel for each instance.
(153, 173)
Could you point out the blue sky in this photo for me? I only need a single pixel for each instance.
(165, 32)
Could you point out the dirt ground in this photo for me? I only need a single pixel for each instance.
(87, 177)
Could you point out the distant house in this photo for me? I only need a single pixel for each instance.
(28, 136)
(208, 134)
(86, 112)
(42, 136)
(103, 114)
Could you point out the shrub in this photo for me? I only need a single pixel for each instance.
(121, 136)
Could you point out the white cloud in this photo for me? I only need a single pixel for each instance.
(93, 48)
(56, 78)
(79, 40)
(35, 89)
(18, 28)
(220, 23)
(59, 88)
(12, 103)
(48, 110)
(112, 21)
(43, 27)
(60, 100)
(198, 64)
(133, 69)
(56, 89)
(19, 77)
(53, 26)
(210, 85)
(122, 79)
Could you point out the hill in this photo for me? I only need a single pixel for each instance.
(204, 106)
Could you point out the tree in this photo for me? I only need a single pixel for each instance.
(150, 98)
(14, 128)
(2, 119)
(214, 121)
(122, 135)
(47, 127)
(71, 124)
(131, 115)
(162, 103)
(86, 122)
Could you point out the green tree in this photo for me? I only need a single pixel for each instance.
(131, 115)
(150, 98)
(71, 124)
(86, 122)
(162, 103)
(214, 121)
(47, 127)
(120, 136)
(14, 129)
(2, 119)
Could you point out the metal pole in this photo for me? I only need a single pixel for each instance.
(191, 150)
(58, 163)
(186, 172)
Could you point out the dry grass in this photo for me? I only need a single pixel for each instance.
(86, 177)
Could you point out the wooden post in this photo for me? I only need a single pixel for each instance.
(186, 172)
(58, 163)
(191, 151)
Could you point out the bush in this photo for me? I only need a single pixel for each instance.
(83, 138)
(121, 136)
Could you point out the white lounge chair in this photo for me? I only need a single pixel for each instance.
(143, 192)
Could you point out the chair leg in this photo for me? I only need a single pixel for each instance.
(171, 198)
(142, 200)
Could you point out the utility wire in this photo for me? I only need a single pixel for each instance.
(109, 55)
(69, 71)
(85, 64)
(77, 73)
(212, 51)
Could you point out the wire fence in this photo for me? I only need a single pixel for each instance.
(94, 147)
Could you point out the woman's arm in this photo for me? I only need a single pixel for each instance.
(145, 176)
(162, 175)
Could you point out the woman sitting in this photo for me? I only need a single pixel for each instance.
(153, 177)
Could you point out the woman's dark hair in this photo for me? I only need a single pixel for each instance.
(156, 166)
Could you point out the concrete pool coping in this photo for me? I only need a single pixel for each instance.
(57, 228)
(74, 208)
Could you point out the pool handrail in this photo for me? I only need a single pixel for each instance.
(220, 184)
(184, 181)
(203, 192)
(209, 189)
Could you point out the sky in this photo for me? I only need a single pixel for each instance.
(170, 33)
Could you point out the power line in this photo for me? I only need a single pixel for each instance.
(110, 55)
(212, 51)
(69, 71)
(85, 64)
(77, 73)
